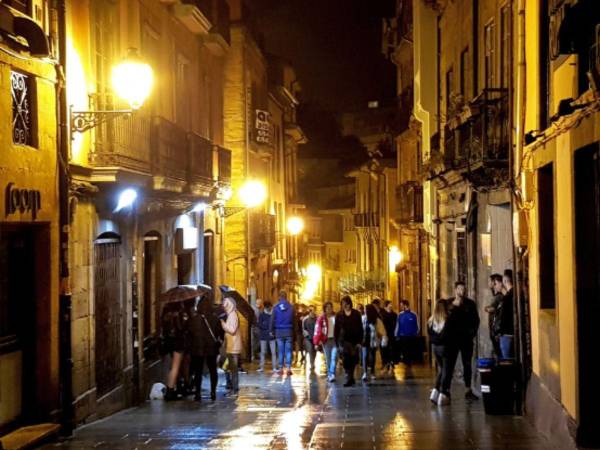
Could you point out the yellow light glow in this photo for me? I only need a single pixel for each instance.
(314, 272)
(295, 225)
(77, 97)
(253, 193)
(132, 80)
(395, 257)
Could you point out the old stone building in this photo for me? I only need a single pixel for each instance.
(29, 223)
(147, 188)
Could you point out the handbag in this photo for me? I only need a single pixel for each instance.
(217, 340)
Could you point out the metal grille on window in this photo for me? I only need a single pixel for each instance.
(21, 107)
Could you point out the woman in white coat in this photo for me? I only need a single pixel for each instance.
(233, 342)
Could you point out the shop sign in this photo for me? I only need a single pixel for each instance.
(264, 129)
(22, 201)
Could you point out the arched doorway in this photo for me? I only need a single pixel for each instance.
(108, 312)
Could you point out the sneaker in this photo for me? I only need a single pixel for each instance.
(443, 400)
(365, 377)
(349, 383)
(260, 369)
(279, 371)
(275, 370)
(470, 396)
(289, 372)
(434, 396)
(331, 379)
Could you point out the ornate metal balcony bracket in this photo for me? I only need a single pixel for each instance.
(86, 120)
(229, 211)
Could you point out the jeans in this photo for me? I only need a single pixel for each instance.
(330, 352)
(198, 365)
(438, 353)
(369, 355)
(506, 346)
(233, 376)
(450, 356)
(310, 349)
(284, 347)
(263, 353)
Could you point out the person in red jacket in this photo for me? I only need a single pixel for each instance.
(324, 335)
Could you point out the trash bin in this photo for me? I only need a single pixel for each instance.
(497, 385)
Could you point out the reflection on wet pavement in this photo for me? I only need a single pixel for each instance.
(302, 412)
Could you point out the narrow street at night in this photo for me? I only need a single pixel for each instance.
(304, 411)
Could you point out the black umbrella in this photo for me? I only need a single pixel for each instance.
(243, 306)
(184, 292)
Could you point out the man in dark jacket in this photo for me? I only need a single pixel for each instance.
(389, 322)
(348, 336)
(308, 331)
(504, 326)
(496, 287)
(282, 327)
(267, 340)
(461, 329)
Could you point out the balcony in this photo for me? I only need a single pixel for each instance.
(224, 162)
(366, 220)
(170, 155)
(200, 169)
(219, 37)
(193, 14)
(262, 232)
(123, 144)
(409, 201)
(479, 141)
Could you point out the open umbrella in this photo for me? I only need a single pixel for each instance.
(243, 306)
(184, 292)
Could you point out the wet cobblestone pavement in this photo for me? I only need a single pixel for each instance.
(302, 412)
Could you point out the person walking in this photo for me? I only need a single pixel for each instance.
(206, 337)
(282, 327)
(348, 336)
(325, 336)
(389, 318)
(308, 332)
(440, 394)
(233, 343)
(267, 340)
(174, 330)
(504, 326)
(407, 330)
(373, 334)
(497, 288)
(462, 325)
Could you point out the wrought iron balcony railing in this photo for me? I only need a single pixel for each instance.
(224, 161)
(170, 149)
(409, 203)
(201, 159)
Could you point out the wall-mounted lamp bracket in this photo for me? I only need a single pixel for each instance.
(86, 120)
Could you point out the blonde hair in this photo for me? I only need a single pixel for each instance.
(439, 316)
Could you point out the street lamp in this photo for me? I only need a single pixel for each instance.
(132, 81)
(295, 225)
(395, 256)
(251, 194)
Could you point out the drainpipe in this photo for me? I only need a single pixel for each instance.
(65, 355)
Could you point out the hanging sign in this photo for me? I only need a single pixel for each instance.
(22, 201)
(264, 129)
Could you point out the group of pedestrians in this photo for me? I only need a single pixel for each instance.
(453, 327)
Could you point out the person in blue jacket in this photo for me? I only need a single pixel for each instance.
(267, 340)
(282, 327)
(407, 329)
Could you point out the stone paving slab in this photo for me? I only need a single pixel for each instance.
(303, 411)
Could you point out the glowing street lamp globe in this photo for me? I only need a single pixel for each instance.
(295, 225)
(395, 257)
(253, 193)
(132, 80)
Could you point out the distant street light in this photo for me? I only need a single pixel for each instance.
(126, 199)
(395, 256)
(295, 225)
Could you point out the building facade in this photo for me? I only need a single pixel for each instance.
(29, 223)
(171, 154)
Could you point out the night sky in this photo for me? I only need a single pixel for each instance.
(335, 46)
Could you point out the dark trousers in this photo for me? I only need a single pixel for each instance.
(198, 364)
(451, 355)
(350, 359)
(387, 354)
(438, 353)
(309, 348)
